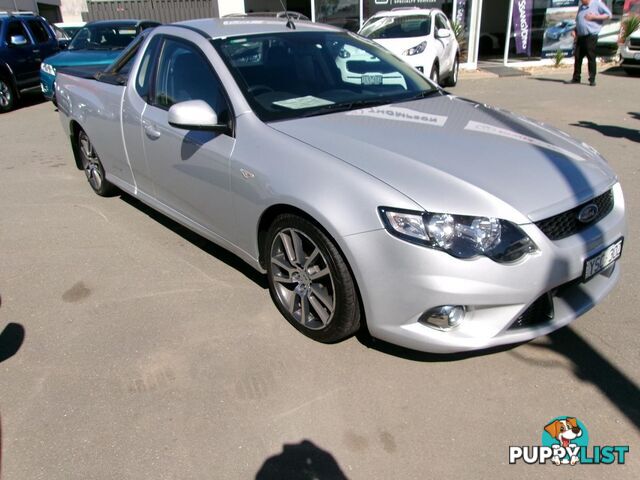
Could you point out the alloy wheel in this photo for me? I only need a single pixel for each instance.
(302, 279)
(435, 76)
(5, 94)
(90, 160)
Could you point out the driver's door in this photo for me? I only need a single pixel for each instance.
(21, 58)
(189, 170)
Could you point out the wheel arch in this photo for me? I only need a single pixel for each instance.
(74, 129)
(272, 212)
(7, 73)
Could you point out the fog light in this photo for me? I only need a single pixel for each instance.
(444, 317)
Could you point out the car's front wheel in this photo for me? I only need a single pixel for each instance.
(92, 166)
(452, 79)
(310, 281)
(435, 74)
(7, 95)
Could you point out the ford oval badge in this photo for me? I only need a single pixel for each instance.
(588, 213)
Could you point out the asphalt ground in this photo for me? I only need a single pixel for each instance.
(131, 348)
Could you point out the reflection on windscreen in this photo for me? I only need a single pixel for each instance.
(397, 27)
(103, 38)
(289, 75)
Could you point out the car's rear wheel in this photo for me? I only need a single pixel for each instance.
(7, 95)
(435, 74)
(92, 166)
(310, 281)
(452, 79)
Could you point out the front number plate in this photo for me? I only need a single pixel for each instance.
(602, 260)
(371, 79)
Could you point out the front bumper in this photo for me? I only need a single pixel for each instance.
(630, 57)
(399, 281)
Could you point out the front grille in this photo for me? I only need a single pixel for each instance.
(566, 224)
(634, 43)
(539, 312)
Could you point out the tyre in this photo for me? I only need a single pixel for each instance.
(92, 166)
(7, 95)
(309, 280)
(452, 79)
(435, 74)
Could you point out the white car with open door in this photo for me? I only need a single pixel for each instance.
(421, 37)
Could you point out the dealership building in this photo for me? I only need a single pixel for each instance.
(506, 32)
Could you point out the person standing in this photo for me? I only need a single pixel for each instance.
(589, 20)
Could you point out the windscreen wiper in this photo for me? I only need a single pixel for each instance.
(424, 94)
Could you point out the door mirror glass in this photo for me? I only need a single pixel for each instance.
(195, 115)
(18, 40)
(443, 33)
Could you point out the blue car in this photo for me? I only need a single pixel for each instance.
(25, 39)
(560, 29)
(96, 44)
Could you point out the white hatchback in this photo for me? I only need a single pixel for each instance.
(421, 37)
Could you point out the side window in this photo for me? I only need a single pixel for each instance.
(16, 28)
(40, 33)
(185, 74)
(143, 82)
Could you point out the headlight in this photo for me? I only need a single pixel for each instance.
(460, 236)
(416, 50)
(46, 68)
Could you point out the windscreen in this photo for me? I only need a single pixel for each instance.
(397, 27)
(103, 37)
(296, 74)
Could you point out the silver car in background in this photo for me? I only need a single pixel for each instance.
(438, 223)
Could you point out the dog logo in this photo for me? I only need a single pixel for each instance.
(565, 432)
(565, 441)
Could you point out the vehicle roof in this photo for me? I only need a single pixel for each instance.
(125, 22)
(19, 15)
(242, 25)
(280, 13)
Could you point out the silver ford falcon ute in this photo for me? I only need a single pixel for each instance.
(370, 197)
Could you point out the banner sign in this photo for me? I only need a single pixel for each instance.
(522, 25)
(559, 25)
(461, 12)
(375, 6)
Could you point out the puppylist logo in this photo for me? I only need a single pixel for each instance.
(565, 441)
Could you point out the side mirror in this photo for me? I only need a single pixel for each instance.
(443, 33)
(195, 115)
(64, 43)
(17, 40)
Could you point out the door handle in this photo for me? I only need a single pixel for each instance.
(151, 132)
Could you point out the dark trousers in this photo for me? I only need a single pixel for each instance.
(585, 47)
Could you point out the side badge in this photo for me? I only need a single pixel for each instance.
(246, 173)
